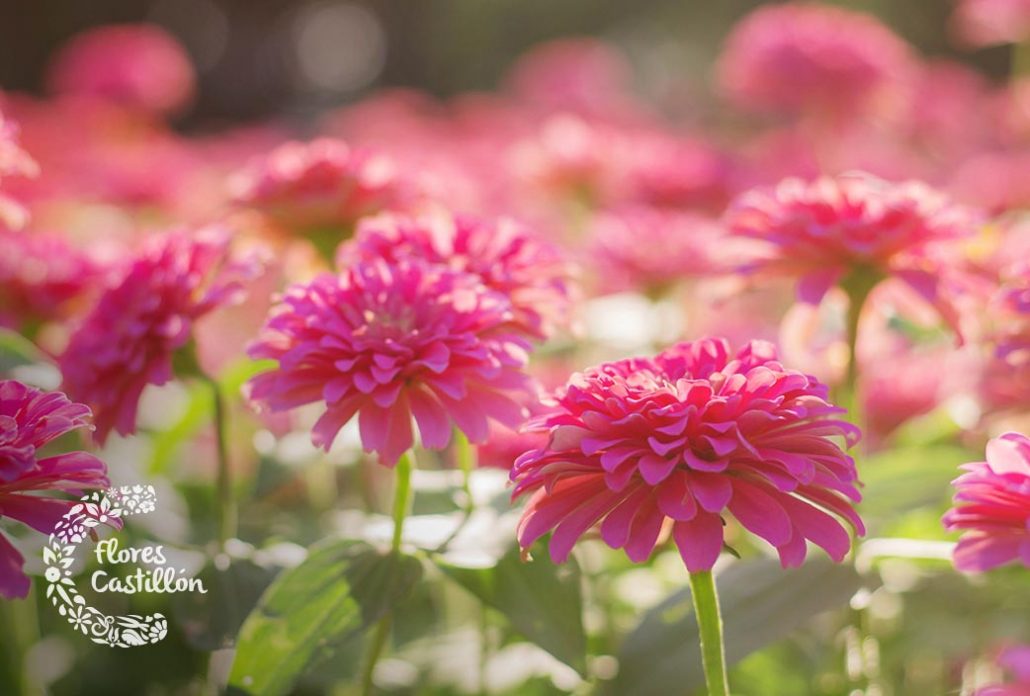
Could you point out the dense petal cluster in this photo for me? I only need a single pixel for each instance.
(505, 255)
(649, 248)
(128, 339)
(321, 184)
(988, 22)
(683, 439)
(798, 57)
(819, 231)
(14, 161)
(30, 419)
(39, 275)
(992, 507)
(391, 341)
(138, 66)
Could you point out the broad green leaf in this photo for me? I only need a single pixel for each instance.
(211, 620)
(899, 480)
(761, 602)
(335, 595)
(542, 600)
(16, 350)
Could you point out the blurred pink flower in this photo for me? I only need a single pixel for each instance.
(652, 249)
(40, 274)
(506, 256)
(992, 507)
(30, 419)
(387, 342)
(822, 231)
(129, 338)
(14, 162)
(683, 438)
(584, 76)
(1016, 660)
(988, 22)
(811, 58)
(322, 185)
(138, 66)
(677, 172)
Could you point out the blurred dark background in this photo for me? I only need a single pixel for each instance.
(257, 58)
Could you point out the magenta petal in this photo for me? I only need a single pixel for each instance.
(14, 584)
(573, 525)
(40, 513)
(615, 529)
(760, 513)
(814, 286)
(644, 534)
(977, 552)
(711, 491)
(434, 427)
(329, 423)
(699, 541)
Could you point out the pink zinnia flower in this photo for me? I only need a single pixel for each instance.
(988, 22)
(14, 161)
(391, 341)
(796, 57)
(651, 249)
(824, 230)
(992, 507)
(129, 338)
(30, 419)
(682, 440)
(139, 66)
(506, 256)
(321, 185)
(40, 275)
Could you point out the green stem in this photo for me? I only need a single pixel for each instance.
(466, 459)
(401, 503)
(225, 506)
(1020, 66)
(709, 625)
(857, 284)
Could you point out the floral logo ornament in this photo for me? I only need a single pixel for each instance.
(95, 509)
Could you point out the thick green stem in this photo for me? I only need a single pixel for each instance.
(401, 503)
(466, 460)
(225, 504)
(709, 626)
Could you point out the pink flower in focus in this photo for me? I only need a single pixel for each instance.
(506, 256)
(388, 342)
(321, 185)
(683, 439)
(821, 231)
(129, 338)
(14, 161)
(40, 274)
(651, 249)
(30, 419)
(992, 507)
(139, 66)
(989, 22)
(797, 58)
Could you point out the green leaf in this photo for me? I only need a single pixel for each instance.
(335, 595)
(211, 620)
(16, 350)
(542, 600)
(904, 479)
(761, 602)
